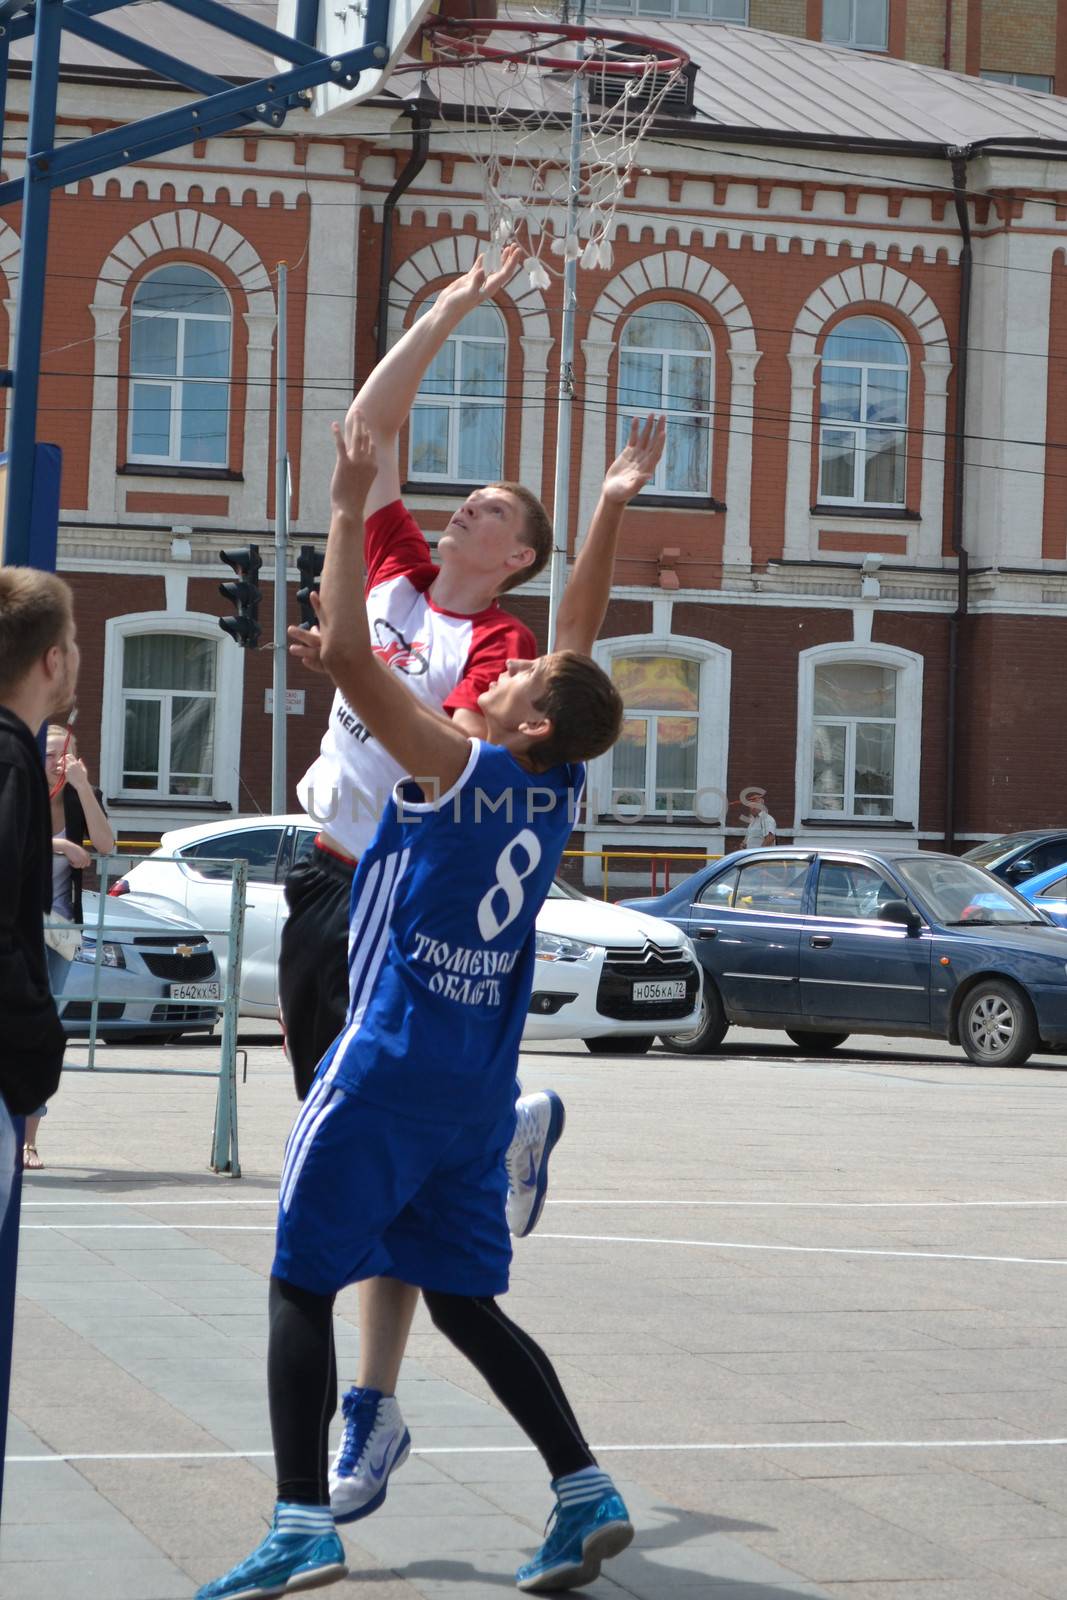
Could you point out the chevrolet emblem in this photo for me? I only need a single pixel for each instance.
(183, 950)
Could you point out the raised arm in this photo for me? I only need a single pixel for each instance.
(386, 399)
(97, 826)
(585, 600)
(427, 746)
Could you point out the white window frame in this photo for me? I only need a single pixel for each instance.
(174, 384)
(658, 484)
(680, 10)
(861, 429)
(229, 689)
(908, 745)
(455, 402)
(1011, 80)
(851, 42)
(713, 734)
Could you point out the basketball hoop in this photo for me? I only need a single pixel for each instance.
(519, 82)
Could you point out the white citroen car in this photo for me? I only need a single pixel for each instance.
(614, 978)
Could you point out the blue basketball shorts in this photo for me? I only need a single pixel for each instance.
(366, 1192)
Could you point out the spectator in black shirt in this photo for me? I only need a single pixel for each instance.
(38, 673)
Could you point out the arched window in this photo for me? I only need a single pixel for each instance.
(180, 337)
(168, 715)
(457, 421)
(863, 410)
(654, 762)
(666, 362)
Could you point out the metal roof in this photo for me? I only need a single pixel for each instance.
(747, 80)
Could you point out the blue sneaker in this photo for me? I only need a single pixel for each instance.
(540, 1119)
(374, 1444)
(288, 1560)
(580, 1537)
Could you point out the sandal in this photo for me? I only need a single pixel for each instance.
(31, 1161)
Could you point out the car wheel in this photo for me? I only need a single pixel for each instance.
(618, 1044)
(996, 1025)
(816, 1044)
(709, 1032)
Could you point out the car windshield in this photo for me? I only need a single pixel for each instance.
(984, 855)
(961, 895)
(558, 890)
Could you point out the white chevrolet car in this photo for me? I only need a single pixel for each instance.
(614, 978)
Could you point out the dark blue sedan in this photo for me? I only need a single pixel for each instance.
(827, 943)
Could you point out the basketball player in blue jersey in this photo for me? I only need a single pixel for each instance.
(436, 621)
(395, 1165)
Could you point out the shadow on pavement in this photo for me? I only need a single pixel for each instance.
(106, 1182)
(635, 1574)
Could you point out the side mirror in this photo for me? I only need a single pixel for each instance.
(1020, 870)
(900, 911)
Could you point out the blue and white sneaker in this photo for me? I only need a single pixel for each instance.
(582, 1532)
(540, 1119)
(301, 1551)
(374, 1444)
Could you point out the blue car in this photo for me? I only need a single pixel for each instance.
(1048, 892)
(827, 943)
(1015, 857)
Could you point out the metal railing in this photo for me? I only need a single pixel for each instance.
(224, 1149)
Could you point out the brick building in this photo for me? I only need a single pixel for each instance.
(1020, 42)
(792, 258)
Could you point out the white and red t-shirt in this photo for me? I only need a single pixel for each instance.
(448, 659)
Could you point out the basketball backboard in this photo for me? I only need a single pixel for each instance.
(342, 25)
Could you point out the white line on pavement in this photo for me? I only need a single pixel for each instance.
(575, 1238)
(805, 1249)
(527, 1449)
(678, 1205)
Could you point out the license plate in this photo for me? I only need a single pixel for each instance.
(194, 991)
(663, 989)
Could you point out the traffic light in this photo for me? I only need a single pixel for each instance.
(243, 595)
(310, 568)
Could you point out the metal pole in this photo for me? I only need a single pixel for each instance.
(557, 573)
(281, 553)
(224, 1156)
(44, 88)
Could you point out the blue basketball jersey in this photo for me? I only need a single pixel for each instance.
(441, 939)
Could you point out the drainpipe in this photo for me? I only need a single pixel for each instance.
(958, 158)
(948, 35)
(420, 149)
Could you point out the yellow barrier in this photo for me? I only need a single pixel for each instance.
(653, 857)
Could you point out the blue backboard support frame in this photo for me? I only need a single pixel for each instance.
(220, 108)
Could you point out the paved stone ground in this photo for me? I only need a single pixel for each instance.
(813, 1313)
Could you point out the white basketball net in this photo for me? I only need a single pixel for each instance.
(516, 132)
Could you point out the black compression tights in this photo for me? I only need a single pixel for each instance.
(302, 1383)
(302, 1390)
(519, 1374)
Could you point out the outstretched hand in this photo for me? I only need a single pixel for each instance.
(472, 288)
(635, 464)
(356, 464)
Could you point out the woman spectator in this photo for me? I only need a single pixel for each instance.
(77, 815)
